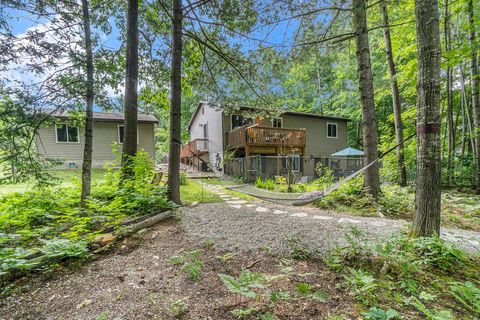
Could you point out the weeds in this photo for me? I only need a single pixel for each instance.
(190, 262)
(49, 220)
(379, 314)
(419, 273)
(178, 308)
(241, 313)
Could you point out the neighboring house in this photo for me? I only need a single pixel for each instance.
(65, 142)
(215, 133)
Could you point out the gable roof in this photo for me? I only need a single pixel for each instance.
(109, 117)
(285, 112)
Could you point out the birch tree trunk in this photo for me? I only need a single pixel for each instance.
(88, 148)
(372, 180)
(397, 106)
(131, 83)
(175, 105)
(426, 221)
(475, 91)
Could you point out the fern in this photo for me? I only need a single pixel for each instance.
(236, 286)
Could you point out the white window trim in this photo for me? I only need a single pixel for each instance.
(66, 126)
(336, 131)
(118, 134)
(277, 118)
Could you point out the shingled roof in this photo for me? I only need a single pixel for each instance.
(110, 117)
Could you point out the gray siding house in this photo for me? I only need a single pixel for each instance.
(65, 142)
(242, 133)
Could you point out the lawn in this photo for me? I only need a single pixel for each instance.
(191, 191)
(65, 178)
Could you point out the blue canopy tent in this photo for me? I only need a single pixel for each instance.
(348, 152)
(346, 161)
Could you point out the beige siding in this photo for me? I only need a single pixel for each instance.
(318, 145)
(105, 134)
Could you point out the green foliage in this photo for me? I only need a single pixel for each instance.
(241, 313)
(393, 201)
(361, 284)
(183, 178)
(325, 176)
(432, 314)
(48, 219)
(297, 251)
(190, 264)
(426, 270)
(64, 248)
(179, 307)
(245, 284)
(467, 294)
(267, 184)
(379, 314)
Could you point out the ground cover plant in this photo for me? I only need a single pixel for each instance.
(49, 219)
(408, 277)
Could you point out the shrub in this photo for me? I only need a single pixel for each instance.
(48, 219)
(259, 183)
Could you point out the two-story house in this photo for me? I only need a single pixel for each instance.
(241, 133)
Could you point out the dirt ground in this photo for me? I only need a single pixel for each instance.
(137, 280)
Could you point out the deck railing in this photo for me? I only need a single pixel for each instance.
(197, 147)
(266, 136)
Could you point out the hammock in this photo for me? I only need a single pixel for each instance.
(318, 194)
(301, 199)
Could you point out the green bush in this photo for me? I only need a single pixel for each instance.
(49, 219)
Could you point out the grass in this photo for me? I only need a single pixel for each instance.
(194, 192)
(66, 179)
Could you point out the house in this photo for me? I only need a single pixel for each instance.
(64, 141)
(218, 135)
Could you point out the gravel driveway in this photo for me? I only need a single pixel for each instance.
(240, 224)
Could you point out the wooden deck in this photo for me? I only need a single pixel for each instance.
(256, 136)
(195, 147)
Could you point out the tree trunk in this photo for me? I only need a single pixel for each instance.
(397, 106)
(426, 221)
(175, 105)
(88, 148)
(372, 180)
(448, 89)
(475, 91)
(467, 110)
(131, 82)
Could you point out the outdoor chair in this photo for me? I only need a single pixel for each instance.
(303, 180)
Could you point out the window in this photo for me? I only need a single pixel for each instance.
(332, 130)
(238, 120)
(296, 163)
(277, 122)
(65, 133)
(205, 130)
(121, 134)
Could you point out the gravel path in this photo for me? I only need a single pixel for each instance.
(239, 224)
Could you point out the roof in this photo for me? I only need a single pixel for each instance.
(286, 112)
(348, 152)
(200, 103)
(110, 117)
